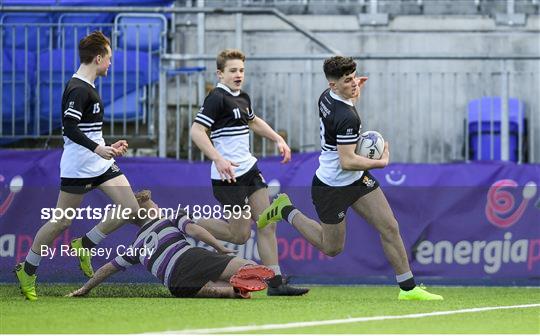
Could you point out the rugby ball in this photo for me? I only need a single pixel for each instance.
(371, 145)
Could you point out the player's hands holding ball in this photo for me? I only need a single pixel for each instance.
(385, 158)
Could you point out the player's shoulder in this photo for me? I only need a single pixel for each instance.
(75, 85)
(244, 94)
(215, 96)
(334, 109)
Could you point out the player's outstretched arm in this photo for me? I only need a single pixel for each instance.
(200, 233)
(224, 167)
(349, 160)
(260, 127)
(101, 274)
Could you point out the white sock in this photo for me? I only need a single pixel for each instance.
(95, 235)
(33, 258)
(404, 276)
(275, 268)
(291, 215)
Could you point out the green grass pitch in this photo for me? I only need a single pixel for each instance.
(137, 308)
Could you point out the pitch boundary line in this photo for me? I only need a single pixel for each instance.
(343, 321)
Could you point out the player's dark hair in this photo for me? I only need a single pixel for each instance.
(228, 54)
(92, 45)
(337, 66)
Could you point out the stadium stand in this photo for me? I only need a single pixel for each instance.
(485, 128)
(39, 55)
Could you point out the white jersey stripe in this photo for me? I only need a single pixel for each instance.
(202, 121)
(150, 228)
(73, 111)
(351, 141)
(86, 130)
(225, 129)
(72, 115)
(228, 134)
(90, 124)
(205, 117)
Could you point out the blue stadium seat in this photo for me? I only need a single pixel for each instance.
(51, 84)
(73, 27)
(144, 32)
(17, 97)
(131, 108)
(125, 72)
(26, 30)
(481, 113)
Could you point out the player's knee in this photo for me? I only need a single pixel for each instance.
(62, 223)
(333, 251)
(391, 229)
(241, 237)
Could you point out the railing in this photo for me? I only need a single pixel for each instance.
(39, 58)
(426, 115)
(393, 7)
(422, 108)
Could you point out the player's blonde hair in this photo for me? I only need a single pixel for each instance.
(228, 54)
(143, 196)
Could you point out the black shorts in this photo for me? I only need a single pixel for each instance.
(237, 193)
(84, 185)
(194, 269)
(331, 203)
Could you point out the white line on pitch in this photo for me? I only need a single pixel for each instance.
(342, 321)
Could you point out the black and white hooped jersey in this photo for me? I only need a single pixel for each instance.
(227, 115)
(157, 247)
(81, 102)
(340, 125)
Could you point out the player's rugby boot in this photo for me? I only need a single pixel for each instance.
(27, 283)
(83, 254)
(272, 214)
(418, 293)
(250, 278)
(277, 286)
(255, 271)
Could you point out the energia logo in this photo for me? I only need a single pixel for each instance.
(501, 206)
(15, 185)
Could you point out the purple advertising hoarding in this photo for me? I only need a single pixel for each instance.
(461, 222)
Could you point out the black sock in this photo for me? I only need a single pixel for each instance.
(29, 268)
(87, 243)
(276, 281)
(408, 284)
(286, 211)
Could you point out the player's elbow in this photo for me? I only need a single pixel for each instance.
(345, 162)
